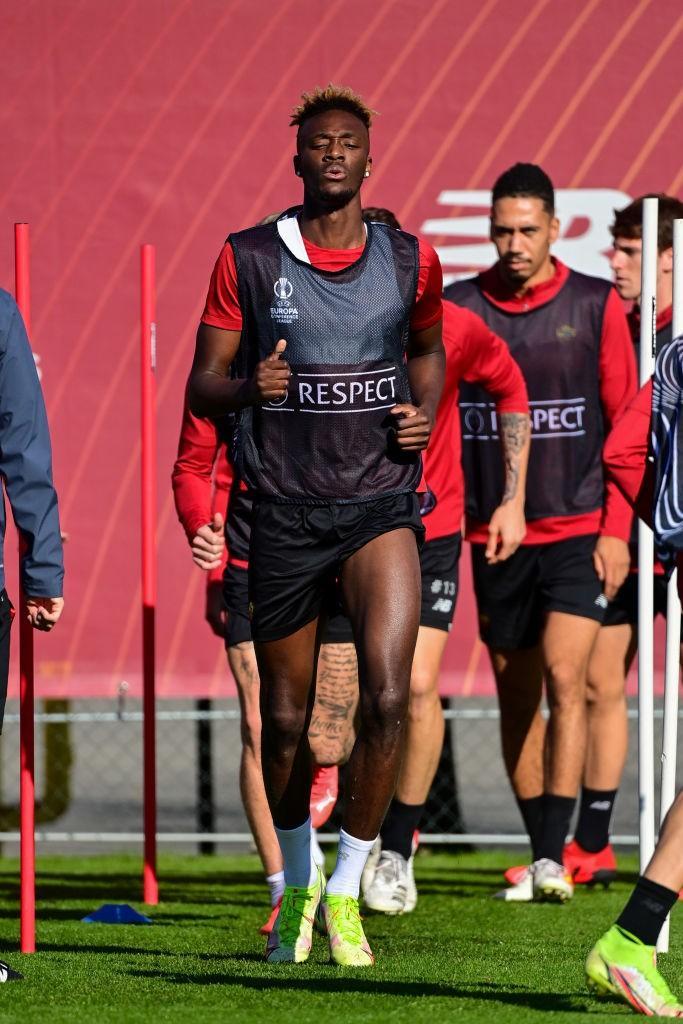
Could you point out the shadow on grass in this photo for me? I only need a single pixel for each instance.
(97, 950)
(555, 1002)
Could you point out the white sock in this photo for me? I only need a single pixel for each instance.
(351, 857)
(316, 852)
(295, 843)
(276, 884)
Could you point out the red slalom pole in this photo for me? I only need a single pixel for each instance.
(150, 886)
(27, 787)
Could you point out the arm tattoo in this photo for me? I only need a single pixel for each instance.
(514, 431)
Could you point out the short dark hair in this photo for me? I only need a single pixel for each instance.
(332, 97)
(384, 216)
(628, 223)
(528, 181)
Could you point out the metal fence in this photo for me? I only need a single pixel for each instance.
(89, 778)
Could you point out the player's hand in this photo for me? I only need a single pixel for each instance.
(208, 543)
(413, 427)
(506, 531)
(216, 613)
(43, 612)
(612, 561)
(271, 377)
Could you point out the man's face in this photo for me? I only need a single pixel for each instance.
(625, 264)
(333, 156)
(522, 231)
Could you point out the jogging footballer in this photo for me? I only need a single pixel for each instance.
(540, 611)
(334, 364)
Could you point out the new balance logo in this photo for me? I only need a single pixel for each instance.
(602, 601)
(600, 805)
(443, 604)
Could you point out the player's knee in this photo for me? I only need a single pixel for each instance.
(604, 692)
(386, 710)
(284, 726)
(566, 684)
(424, 696)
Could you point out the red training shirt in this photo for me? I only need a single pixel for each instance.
(201, 478)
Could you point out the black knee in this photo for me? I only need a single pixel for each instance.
(283, 727)
(385, 712)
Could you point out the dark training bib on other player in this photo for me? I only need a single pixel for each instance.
(557, 347)
(331, 438)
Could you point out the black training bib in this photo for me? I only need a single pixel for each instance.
(557, 347)
(331, 438)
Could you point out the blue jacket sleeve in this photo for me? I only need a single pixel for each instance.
(26, 458)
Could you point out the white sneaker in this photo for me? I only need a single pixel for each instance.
(371, 863)
(551, 881)
(411, 888)
(388, 893)
(521, 892)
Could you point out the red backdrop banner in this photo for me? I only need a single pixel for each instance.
(167, 122)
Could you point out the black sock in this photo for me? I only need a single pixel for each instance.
(531, 810)
(595, 815)
(557, 813)
(399, 825)
(646, 910)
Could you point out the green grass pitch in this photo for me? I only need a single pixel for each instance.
(459, 957)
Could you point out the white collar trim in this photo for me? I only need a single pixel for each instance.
(290, 233)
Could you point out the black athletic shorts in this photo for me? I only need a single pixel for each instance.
(514, 597)
(6, 616)
(297, 551)
(236, 596)
(623, 608)
(439, 561)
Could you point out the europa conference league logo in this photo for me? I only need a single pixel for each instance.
(284, 312)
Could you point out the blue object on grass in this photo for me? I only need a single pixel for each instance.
(116, 913)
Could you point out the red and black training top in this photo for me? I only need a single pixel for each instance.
(570, 337)
(330, 439)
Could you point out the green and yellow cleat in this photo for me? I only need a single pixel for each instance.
(348, 945)
(620, 965)
(291, 939)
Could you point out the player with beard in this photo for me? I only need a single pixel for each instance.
(540, 611)
(329, 443)
(475, 354)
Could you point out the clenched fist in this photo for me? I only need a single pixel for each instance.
(413, 427)
(271, 377)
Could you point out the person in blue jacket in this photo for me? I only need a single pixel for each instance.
(26, 470)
